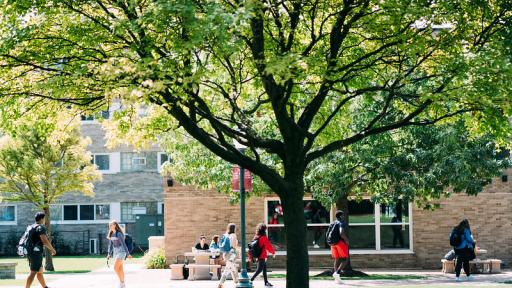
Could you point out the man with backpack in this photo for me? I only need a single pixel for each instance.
(338, 240)
(32, 242)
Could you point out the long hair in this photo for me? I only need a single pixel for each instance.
(118, 228)
(261, 230)
(231, 228)
(462, 225)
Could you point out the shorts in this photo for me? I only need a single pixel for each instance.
(339, 250)
(119, 255)
(35, 261)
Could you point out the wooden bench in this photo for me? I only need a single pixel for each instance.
(8, 270)
(488, 266)
(193, 270)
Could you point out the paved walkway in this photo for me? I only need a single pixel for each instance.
(137, 277)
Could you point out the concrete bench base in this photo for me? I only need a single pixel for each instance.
(488, 266)
(202, 271)
(8, 270)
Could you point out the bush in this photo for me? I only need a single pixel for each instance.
(155, 259)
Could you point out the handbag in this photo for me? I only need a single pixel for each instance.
(472, 254)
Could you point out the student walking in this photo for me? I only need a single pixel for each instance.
(37, 238)
(264, 245)
(117, 250)
(463, 244)
(228, 246)
(338, 240)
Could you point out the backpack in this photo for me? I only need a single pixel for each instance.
(25, 244)
(225, 243)
(333, 233)
(455, 238)
(128, 240)
(254, 248)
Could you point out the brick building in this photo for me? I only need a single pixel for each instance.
(381, 236)
(131, 191)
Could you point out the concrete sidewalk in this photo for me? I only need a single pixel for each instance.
(137, 277)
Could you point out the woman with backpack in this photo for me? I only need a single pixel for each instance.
(264, 245)
(228, 245)
(464, 251)
(117, 250)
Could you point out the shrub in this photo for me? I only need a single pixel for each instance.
(155, 259)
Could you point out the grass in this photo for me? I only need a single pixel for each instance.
(370, 277)
(69, 264)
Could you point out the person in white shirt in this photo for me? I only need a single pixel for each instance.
(228, 246)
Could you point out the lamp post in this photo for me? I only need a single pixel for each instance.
(243, 281)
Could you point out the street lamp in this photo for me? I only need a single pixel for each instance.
(243, 281)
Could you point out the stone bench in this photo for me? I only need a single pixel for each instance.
(202, 271)
(8, 270)
(488, 266)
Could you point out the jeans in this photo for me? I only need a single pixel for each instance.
(262, 266)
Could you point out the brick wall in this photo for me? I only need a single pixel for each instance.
(191, 212)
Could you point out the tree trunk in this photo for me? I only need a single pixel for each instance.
(48, 266)
(297, 261)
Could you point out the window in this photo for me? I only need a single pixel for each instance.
(381, 228)
(71, 212)
(130, 209)
(85, 212)
(162, 159)
(139, 161)
(102, 161)
(105, 114)
(8, 213)
(143, 161)
(317, 219)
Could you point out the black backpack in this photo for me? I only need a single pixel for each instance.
(455, 238)
(128, 240)
(254, 248)
(25, 244)
(333, 233)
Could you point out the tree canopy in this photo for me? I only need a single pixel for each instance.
(291, 80)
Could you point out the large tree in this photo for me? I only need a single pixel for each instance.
(43, 158)
(285, 78)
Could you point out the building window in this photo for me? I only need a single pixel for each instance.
(130, 209)
(143, 161)
(85, 212)
(139, 161)
(104, 114)
(317, 219)
(8, 213)
(162, 159)
(102, 161)
(372, 227)
(70, 212)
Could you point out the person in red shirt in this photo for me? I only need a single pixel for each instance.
(265, 245)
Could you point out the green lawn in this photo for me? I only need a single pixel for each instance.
(370, 277)
(69, 264)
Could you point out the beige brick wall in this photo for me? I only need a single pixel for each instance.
(191, 212)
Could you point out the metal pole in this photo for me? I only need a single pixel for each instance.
(244, 280)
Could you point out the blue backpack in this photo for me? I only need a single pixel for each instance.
(225, 243)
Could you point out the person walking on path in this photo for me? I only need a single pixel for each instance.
(117, 250)
(228, 246)
(265, 245)
(463, 244)
(337, 238)
(38, 238)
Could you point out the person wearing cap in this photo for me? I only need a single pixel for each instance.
(339, 251)
(38, 239)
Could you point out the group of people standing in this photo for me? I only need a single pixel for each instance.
(229, 248)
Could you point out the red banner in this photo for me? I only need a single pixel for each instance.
(235, 182)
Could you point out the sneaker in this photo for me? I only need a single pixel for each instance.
(470, 278)
(316, 246)
(457, 279)
(268, 284)
(337, 278)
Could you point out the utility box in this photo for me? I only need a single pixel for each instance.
(146, 226)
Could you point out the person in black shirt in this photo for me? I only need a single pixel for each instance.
(35, 255)
(202, 244)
